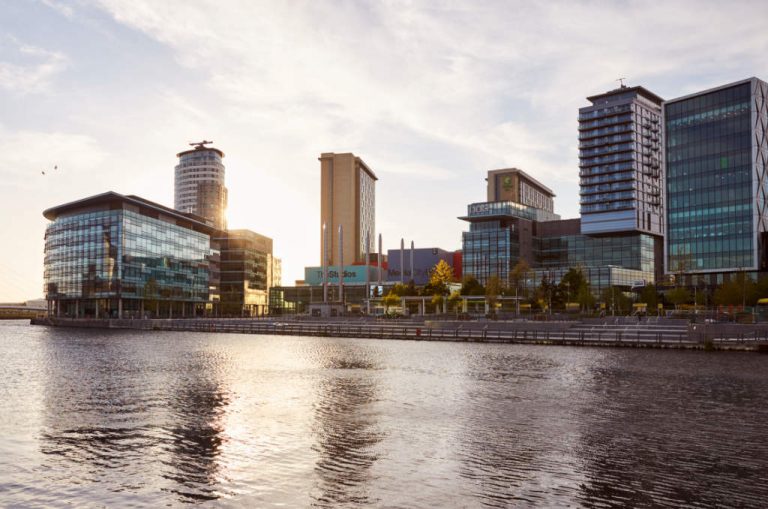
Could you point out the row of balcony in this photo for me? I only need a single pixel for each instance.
(608, 140)
(595, 133)
(605, 112)
(619, 119)
(606, 179)
(608, 197)
(608, 188)
(603, 160)
(607, 149)
(608, 168)
(607, 207)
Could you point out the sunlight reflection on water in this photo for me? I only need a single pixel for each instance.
(108, 418)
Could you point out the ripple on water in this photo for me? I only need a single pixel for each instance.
(117, 418)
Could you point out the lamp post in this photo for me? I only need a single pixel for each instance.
(325, 265)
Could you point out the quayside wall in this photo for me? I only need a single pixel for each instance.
(676, 334)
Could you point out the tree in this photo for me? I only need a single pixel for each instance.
(471, 286)
(679, 295)
(585, 298)
(547, 295)
(492, 291)
(454, 300)
(736, 291)
(399, 289)
(572, 283)
(389, 300)
(649, 296)
(437, 301)
(516, 276)
(440, 276)
(616, 300)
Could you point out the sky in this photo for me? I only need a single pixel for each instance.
(430, 94)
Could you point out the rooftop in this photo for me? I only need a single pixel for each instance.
(642, 91)
(524, 175)
(111, 198)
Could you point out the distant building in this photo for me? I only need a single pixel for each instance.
(501, 231)
(621, 167)
(424, 260)
(120, 256)
(347, 199)
(248, 271)
(717, 183)
(517, 186)
(199, 184)
(353, 275)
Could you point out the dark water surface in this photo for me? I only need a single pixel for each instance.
(126, 418)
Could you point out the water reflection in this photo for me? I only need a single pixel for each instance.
(198, 404)
(91, 402)
(643, 451)
(347, 432)
(112, 404)
(121, 419)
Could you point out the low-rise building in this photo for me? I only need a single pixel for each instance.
(248, 271)
(112, 255)
(424, 260)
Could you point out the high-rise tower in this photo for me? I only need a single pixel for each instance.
(347, 199)
(621, 167)
(199, 184)
(717, 186)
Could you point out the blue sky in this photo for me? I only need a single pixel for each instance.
(430, 94)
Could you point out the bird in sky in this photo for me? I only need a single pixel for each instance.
(42, 172)
(55, 167)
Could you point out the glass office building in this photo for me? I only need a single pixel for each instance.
(716, 187)
(122, 256)
(500, 233)
(633, 251)
(248, 271)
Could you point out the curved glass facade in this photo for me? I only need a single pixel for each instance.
(119, 262)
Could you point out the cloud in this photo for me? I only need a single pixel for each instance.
(24, 155)
(428, 91)
(35, 71)
(430, 94)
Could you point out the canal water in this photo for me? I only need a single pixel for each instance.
(128, 418)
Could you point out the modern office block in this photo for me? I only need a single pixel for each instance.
(717, 187)
(621, 167)
(248, 271)
(199, 184)
(500, 234)
(119, 256)
(347, 199)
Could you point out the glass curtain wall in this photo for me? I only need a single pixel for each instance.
(99, 263)
(709, 184)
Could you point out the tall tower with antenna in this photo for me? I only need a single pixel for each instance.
(199, 183)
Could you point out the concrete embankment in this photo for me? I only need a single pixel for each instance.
(613, 332)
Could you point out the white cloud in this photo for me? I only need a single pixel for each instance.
(430, 94)
(36, 71)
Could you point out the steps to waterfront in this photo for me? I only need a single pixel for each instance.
(610, 332)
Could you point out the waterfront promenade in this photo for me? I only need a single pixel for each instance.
(610, 332)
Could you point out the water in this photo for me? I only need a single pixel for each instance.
(127, 418)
